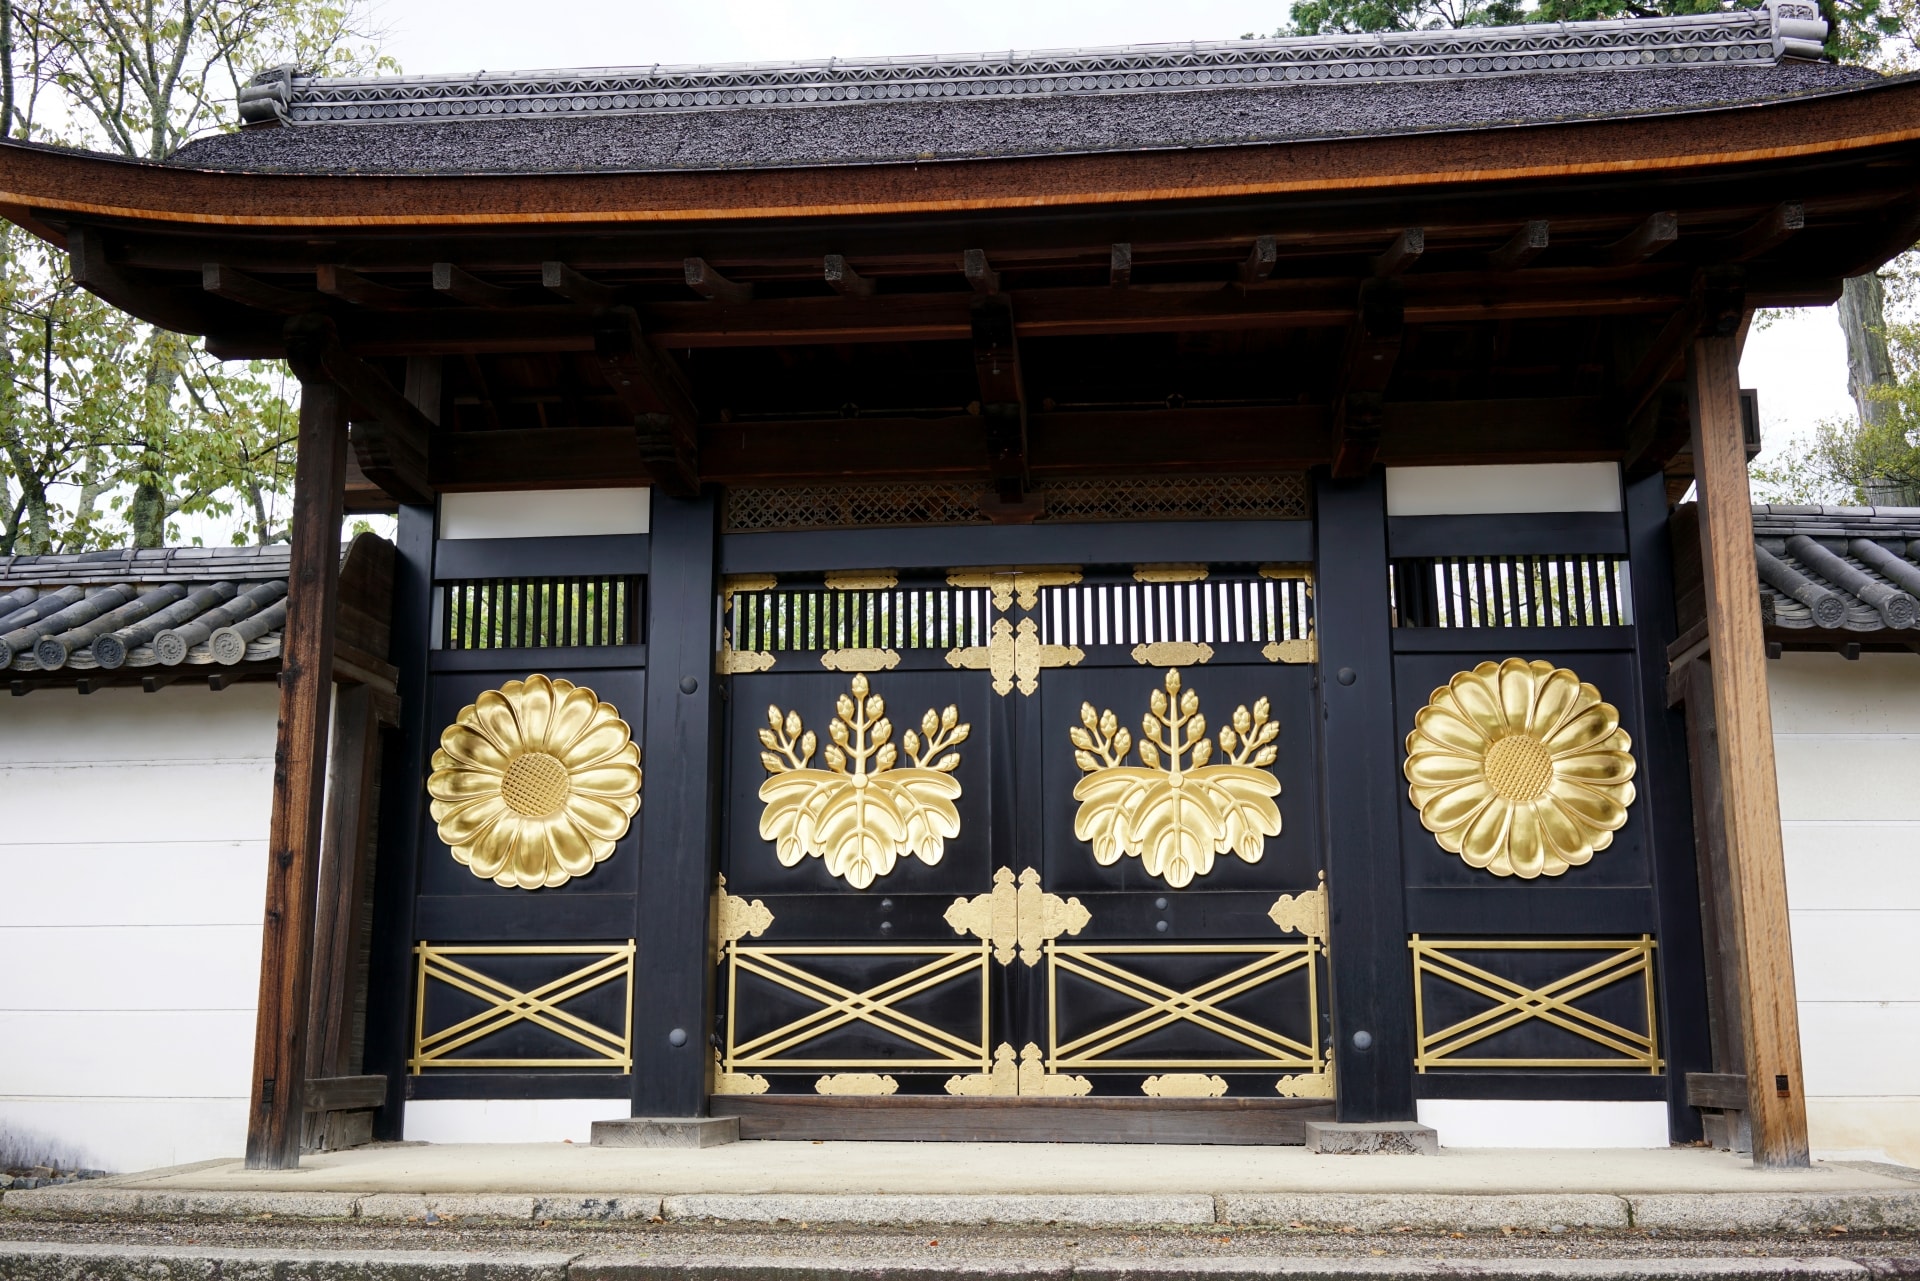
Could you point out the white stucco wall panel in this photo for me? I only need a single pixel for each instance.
(134, 855)
(134, 1133)
(133, 883)
(79, 1054)
(1828, 862)
(80, 968)
(1861, 1048)
(1848, 751)
(545, 513)
(1522, 487)
(1848, 776)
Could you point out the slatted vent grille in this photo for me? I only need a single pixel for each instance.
(769, 508)
(1512, 591)
(542, 613)
(907, 617)
(1254, 611)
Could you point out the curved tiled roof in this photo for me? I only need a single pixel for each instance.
(1013, 103)
(152, 611)
(1854, 569)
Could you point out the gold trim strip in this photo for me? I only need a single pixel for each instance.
(1554, 1003)
(861, 580)
(1169, 573)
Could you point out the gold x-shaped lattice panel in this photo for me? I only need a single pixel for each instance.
(507, 1005)
(1512, 1003)
(878, 1007)
(1203, 1006)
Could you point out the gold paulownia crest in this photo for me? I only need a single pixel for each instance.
(861, 821)
(535, 782)
(1520, 768)
(1176, 818)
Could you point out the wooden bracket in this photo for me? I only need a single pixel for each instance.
(557, 277)
(390, 437)
(710, 284)
(653, 390)
(1655, 233)
(1402, 253)
(844, 280)
(1779, 223)
(462, 286)
(1120, 266)
(1260, 259)
(1366, 366)
(351, 286)
(1003, 399)
(237, 286)
(1526, 245)
(984, 279)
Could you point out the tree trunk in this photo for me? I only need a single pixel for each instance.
(1863, 319)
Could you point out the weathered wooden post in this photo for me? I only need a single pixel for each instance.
(1756, 864)
(299, 765)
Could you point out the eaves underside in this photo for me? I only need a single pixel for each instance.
(1809, 129)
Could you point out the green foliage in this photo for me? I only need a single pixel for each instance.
(1857, 27)
(111, 430)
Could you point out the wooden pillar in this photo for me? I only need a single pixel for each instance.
(1371, 977)
(299, 783)
(673, 997)
(1750, 795)
(351, 786)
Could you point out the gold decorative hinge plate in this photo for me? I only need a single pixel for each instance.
(1015, 657)
(1009, 584)
(1184, 1085)
(1169, 573)
(860, 660)
(862, 580)
(725, 1082)
(856, 1084)
(1307, 1085)
(730, 661)
(1173, 654)
(1025, 1078)
(734, 918)
(1292, 651)
(1303, 913)
(1017, 917)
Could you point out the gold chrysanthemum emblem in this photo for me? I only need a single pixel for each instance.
(860, 820)
(534, 782)
(1175, 818)
(1520, 768)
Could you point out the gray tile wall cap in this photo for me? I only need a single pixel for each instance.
(1777, 31)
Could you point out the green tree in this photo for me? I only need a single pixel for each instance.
(109, 429)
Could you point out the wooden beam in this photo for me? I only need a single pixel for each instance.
(708, 283)
(1402, 253)
(1526, 245)
(1750, 793)
(1773, 229)
(346, 1093)
(558, 278)
(1120, 266)
(1366, 366)
(94, 272)
(390, 440)
(462, 286)
(984, 279)
(1003, 396)
(844, 280)
(1260, 259)
(1655, 233)
(248, 291)
(652, 389)
(299, 783)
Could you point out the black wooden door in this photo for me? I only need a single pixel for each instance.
(1091, 862)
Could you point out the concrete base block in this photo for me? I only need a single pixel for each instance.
(666, 1132)
(1405, 1138)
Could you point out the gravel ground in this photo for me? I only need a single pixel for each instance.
(803, 1240)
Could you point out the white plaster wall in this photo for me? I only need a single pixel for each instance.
(133, 834)
(1847, 741)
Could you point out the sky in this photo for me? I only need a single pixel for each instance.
(1797, 363)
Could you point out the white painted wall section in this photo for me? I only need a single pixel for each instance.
(508, 1120)
(545, 513)
(1847, 743)
(134, 859)
(1526, 487)
(1545, 1123)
